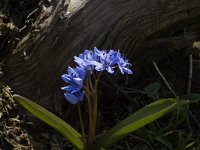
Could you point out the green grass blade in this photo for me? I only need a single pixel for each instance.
(137, 120)
(58, 124)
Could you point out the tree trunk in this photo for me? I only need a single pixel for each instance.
(64, 29)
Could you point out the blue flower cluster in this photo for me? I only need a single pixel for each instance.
(87, 63)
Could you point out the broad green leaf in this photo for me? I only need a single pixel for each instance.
(137, 120)
(152, 89)
(193, 98)
(62, 127)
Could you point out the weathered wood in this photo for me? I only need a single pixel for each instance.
(35, 68)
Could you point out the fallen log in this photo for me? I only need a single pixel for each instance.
(65, 28)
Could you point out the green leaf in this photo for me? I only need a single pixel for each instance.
(65, 129)
(137, 120)
(152, 89)
(193, 98)
(190, 144)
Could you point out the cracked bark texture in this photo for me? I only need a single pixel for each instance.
(66, 28)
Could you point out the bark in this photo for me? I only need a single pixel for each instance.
(66, 28)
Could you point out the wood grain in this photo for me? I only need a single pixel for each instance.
(35, 68)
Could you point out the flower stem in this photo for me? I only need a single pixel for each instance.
(92, 128)
(94, 113)
(89, 110)
(91, 85)
(82, 125)
(87, 90)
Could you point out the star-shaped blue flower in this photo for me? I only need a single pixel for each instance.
(107, 60)
(74, 98)
(123, 64)
(87, 60)
(75, 77)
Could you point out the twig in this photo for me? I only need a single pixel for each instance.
(190, 75)
(35, 10)
(170, 88)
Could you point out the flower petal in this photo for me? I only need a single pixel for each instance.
(71, 98)
(128, 71)
(110, 70)
(71, 88)
(66, 78)
(94, 63)
(98, 52)
(121, 69)
(114, 62)
(80, 71)
(81, 96)
(79, 81)
(100, 68)
(71, 70)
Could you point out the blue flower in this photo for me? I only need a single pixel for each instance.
(74, 98)
(123, 64)
(87, 60)
(72, 88)
(107, 60)
(75, 77)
